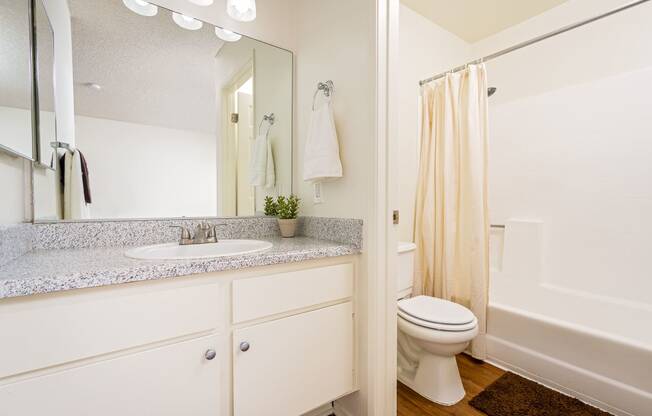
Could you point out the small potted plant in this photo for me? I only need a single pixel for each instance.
(271, 207)
(287, 210)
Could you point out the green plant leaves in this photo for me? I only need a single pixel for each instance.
(287, 208)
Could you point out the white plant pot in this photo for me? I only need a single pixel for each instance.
(288, 227)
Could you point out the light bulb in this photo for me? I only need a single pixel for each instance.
(141, 7)
(241, 10)
(202, 2)
(227, 35)
(186, 22)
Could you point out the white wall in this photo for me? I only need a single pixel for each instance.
(425, 49)
(12, 189)
(139, 171)
(570, 146)
(335, 42)
(16, 131)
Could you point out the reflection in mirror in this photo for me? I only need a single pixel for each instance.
(45, 122)
(15, 78)
(166, 115)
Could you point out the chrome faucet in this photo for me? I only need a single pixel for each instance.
(204, 233)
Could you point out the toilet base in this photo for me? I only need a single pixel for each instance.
(437, 379)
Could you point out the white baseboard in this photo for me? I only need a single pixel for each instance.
(594, 389)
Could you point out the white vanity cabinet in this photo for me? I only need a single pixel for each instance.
(293, 364)
(172, 380)
(131, 350)
(278, 340)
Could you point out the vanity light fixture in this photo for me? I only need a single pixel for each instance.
(227, 35)
(202, 2)
(141, 7)
(241, 10)
(186, 22)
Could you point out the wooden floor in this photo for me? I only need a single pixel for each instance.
(475, 377)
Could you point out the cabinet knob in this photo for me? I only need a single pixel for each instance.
(244, 346)
(210, 354)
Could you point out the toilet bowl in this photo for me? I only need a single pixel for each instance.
(431, 332)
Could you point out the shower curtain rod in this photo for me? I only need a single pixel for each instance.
(537, 39)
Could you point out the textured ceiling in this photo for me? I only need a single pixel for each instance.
(474, 20)
(14, 54)
(151, 71)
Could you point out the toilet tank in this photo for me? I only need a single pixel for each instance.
(405, 276)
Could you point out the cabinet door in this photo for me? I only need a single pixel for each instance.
(167, 381)
(294, 364)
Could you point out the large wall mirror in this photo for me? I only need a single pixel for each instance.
(15, 78)
(168, 117)
(46, 130)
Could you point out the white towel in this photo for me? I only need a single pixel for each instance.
(322, 152)
(261, 165)
(270, 174)
(74, 205)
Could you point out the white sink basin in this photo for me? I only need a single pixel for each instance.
(174, 251)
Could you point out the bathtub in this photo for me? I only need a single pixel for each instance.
(594, 348)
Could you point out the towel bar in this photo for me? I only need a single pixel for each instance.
(62, 145)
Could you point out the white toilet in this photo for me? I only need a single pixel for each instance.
(431, 332)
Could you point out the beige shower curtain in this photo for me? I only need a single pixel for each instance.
(451, 223)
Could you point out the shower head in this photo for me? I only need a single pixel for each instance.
(491, 91)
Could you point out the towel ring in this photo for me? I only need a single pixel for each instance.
(270, 118)
(326, 87)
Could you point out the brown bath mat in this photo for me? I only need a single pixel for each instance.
(512, 395)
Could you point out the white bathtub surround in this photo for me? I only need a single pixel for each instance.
(589, 346)
(451, 223)
(598, 367)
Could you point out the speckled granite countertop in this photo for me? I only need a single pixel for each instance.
(45, 271)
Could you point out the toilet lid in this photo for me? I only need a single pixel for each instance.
(435, 310)
(439, 327)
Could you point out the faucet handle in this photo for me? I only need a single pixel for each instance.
(185, 233)
(214, 228)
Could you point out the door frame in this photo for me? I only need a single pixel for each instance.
(384, 254)
(228, 150)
